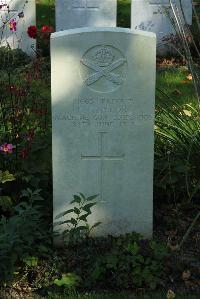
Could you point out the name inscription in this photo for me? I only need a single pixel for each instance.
(104, 112)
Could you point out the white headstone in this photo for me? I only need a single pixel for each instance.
(150, 15)
(85, 13)
(23, 12)
(103, 84)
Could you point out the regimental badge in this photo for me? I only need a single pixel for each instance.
(105, 64)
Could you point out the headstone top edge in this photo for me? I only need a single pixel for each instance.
(102, 29)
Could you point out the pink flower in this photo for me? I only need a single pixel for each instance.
(6, 148)
(13, 25)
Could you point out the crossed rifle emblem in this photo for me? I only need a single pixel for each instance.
(104, 71)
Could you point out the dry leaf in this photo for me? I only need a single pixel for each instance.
(189, 77)
(173, 246)
(186, 275)
(187, 112)
(170, 294)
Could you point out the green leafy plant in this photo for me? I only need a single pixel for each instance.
(31, 261)
(120, 262)
(132, 265)
(31, 195)
(12, 59)
(78, 227)
(6, 176)
(22, 235)
(69, 280)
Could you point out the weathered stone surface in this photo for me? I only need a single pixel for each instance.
(24, 14)
(85, 13)
(103, 84)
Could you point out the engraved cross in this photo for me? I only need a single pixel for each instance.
(102, 158)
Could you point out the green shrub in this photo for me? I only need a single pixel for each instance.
(25, 126)
(5, 200)
(177, 147)
(12, 59)
(124, 262)
(22, 235)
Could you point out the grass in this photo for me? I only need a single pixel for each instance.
(174, 82)
(122, 296)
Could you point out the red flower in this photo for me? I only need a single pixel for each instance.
(32, 31)
(48, 29)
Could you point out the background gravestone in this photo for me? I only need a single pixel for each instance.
(103, 84)
(149, 15)
(85, 13)
(24, 14)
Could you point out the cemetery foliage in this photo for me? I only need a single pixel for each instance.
(177, 162)
(25, 152)
(126, 262)
(77, 227)
(177, 126)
